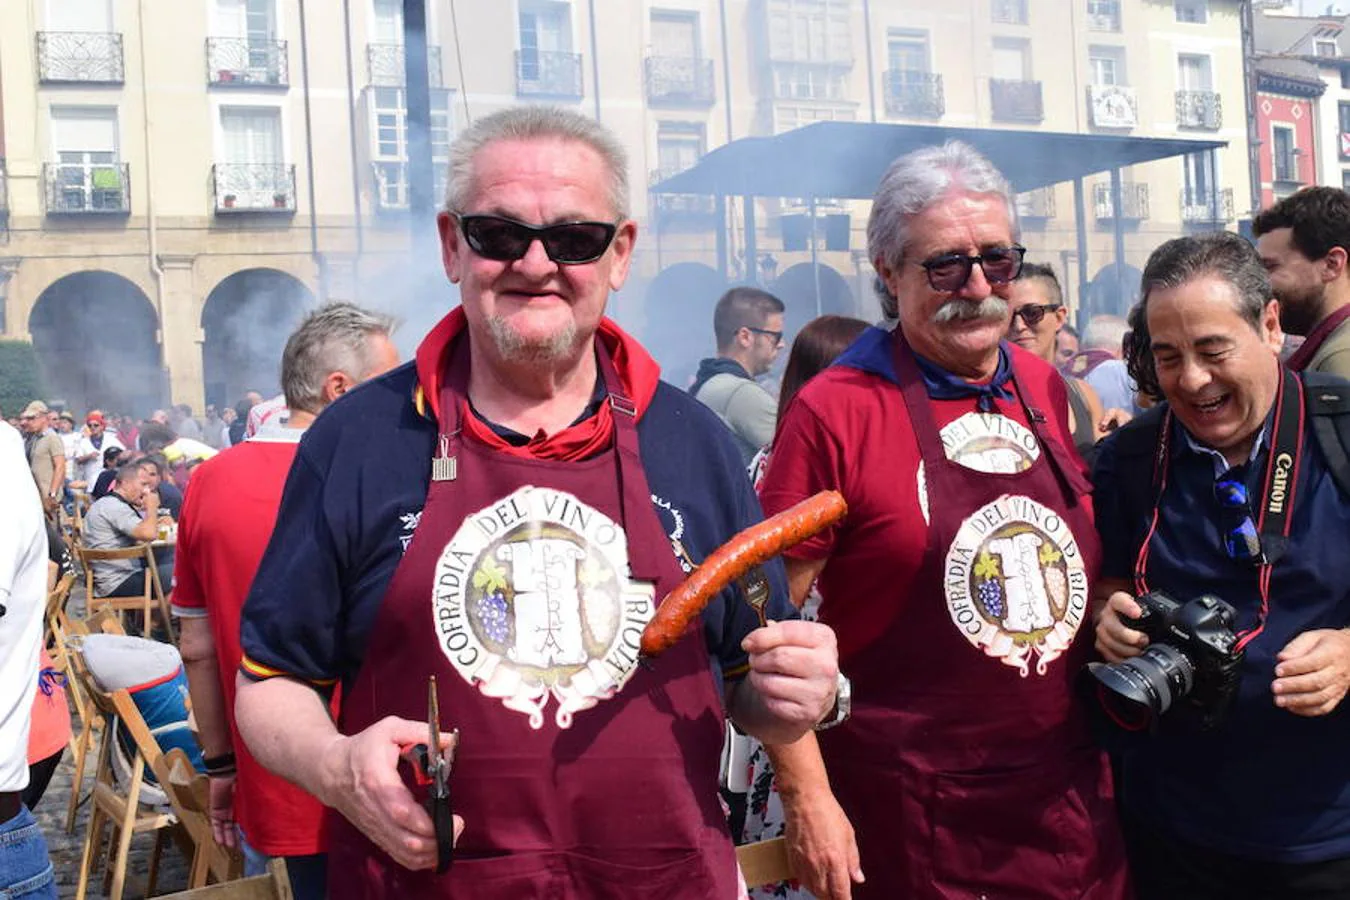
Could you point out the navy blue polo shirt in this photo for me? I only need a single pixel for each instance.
(356, 490)
(1266, 784)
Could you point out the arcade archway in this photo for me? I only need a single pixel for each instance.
(246, 321)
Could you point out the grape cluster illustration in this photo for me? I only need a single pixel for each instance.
(492, 615)
(990, 594)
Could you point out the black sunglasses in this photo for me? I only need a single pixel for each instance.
(1032, 314)
(1240, 540)
(567, 243)
(775, 336)
(949, 272)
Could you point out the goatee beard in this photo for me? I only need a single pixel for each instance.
(514, 348)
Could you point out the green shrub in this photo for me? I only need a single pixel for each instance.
(20, 379)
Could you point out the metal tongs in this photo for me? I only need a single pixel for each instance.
(431, 768)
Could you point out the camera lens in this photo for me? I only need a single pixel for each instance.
(1146, 686)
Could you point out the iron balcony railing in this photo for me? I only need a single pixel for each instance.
(548, 73)
(675, 80)
(1286, 168)
(1133, 202)
(391, 183)
(246, 62)
(1016, 101)
(253, 187)
(914, 94)
(1207, 207)
(1035, 204)
(682, 205)
(386, 65)
(87, 188)
(80, 57)
(1199, 109)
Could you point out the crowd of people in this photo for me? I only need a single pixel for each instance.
(1084, 631)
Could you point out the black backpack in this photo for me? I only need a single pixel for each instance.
(1326, 397)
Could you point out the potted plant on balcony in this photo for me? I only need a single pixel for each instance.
(227, 201)
(279, 200)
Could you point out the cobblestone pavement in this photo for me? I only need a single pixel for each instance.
(65, 848)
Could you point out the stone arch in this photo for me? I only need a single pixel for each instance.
(679, 318)
(245, 322)
(1111, 292)
(796, 287)
(96, 335)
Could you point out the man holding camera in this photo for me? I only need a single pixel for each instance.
(1224, 510)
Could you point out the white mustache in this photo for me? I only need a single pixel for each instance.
(991, 308)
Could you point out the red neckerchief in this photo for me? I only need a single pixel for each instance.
(636, 369)
(1083, 362)
(1299, 359)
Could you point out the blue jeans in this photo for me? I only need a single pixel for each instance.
(309, 874)
(25, 869)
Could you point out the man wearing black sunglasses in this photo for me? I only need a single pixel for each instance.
(748, 325)
(957, 587)
(1231, 487)
(504, 515)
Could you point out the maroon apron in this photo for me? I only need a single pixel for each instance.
(620, 803)
(970, 774)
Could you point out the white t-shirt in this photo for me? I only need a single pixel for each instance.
(89, 471)
(70, 440)
(23, 584)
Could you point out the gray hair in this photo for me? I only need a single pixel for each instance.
(1104, 333)
(526, 123)
(1220, 254)
(333, 338)
(912, 184)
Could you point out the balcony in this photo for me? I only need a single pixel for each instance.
(1286, 179)
(1016, 101)
(914, 94)
(1008, 12)
(1103, 15)
(1112, 106)
(87, 188)
(1133, 202)
(79, 57)
(1207, 207)
(386, 65)
(253, 188)
(679, 81)
(247, 63)
(391, 183)
(548, 73)
(1199, 109)
(1037, 204)
(693, 208)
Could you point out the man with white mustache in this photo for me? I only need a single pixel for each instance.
(958, 584)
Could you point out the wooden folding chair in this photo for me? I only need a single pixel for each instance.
(151, 599)
(765, 862)
(275, 885)
(123, 810)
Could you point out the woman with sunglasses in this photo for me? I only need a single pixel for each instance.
(958, 584)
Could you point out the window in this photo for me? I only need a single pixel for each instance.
(1344, 111)
(809, 83)
(1106, 65)
(545, 27)
(1198, 173)
(1192, 12)
(388, 22)
(1103, 15)
(389, 142)
(1194, 73)
(1010, 12)
(1345, 179)
(1011, 61)
(251, 19)
(810, 30)
(1325, 48)
(1345, 78)
(678, 146)
(85, 176)
(675, 35)
(93, 16)
(907, 51)
(787, 117)
(1282, 151)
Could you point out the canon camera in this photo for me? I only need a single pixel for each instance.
(1191, 662)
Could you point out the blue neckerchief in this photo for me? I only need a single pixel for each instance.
(871, 352)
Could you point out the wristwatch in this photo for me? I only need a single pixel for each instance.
(843, 704)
